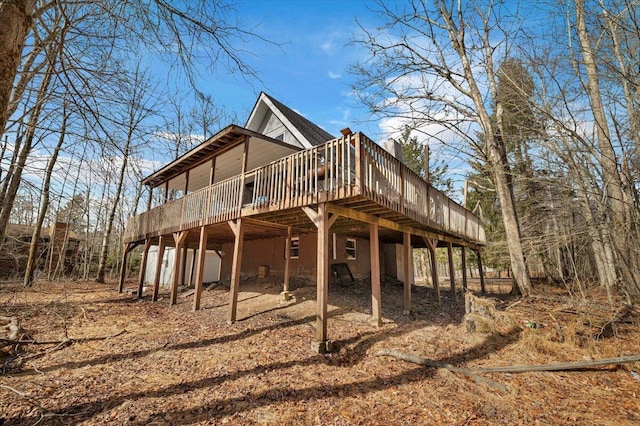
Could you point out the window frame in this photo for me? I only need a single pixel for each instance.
(351, 253)
(295, 247)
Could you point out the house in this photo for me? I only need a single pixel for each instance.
(283, 193)
(57, 249)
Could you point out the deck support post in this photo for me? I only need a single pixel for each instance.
(376, 300)
(452, 271)
(287, 260)
(159, 263)
(123, 266)
(178, 238)
(463, 261)
(143, 267)
(407, 260)
(202, 255)
(323, 222)
(238, 231)
(480, 272)
(183, 268)
(431, 246)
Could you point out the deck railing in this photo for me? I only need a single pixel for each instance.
(342, 168)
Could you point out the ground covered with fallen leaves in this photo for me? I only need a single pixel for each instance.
(170, 365)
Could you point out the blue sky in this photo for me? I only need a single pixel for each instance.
(308, 71)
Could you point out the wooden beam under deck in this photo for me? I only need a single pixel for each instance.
(287, 262)
(143, 267)
(128, 247)
(431, 247)
(238, 230)
(156, 280)
(452, 278)
(376, 298)
(463, 261)
(385, 223)
(407, 260)
(179, 239)
(323, 222)
(202, 254)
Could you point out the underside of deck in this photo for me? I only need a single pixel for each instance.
(354, 215)
(348, 186)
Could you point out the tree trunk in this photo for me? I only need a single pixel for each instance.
(612, 183)
(16, 177)
(44, 205)
(498, 162)
(104, 250)
(15, 21)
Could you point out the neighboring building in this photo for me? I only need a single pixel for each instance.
(283, 194)
(57, 249)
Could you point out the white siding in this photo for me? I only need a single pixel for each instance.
(271, 126)
(211, 266)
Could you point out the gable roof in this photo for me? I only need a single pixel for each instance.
(305, 131)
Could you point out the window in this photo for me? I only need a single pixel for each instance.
(280, 137)
(351, 248)
(295, 248)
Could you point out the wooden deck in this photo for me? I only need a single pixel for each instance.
(353, 174)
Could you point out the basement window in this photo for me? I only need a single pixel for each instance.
(295, 248)
(350, 248)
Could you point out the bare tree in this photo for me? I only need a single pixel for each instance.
(15, 21)
(138, 107)
(44, 203)
(94, 53)
(436, 63)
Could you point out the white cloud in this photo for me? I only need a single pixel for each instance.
(328, 47)
(334, 75)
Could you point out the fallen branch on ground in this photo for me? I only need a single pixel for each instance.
(564, 366)
(65, 341)
(436, 364)
(42, 412)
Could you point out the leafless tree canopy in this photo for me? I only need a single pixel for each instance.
(89, 59)
(542, 101)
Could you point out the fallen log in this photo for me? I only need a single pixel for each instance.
(65, 341)
(564, 366)
(441, 365)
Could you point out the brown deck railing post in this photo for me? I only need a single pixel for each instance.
(358, 164)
